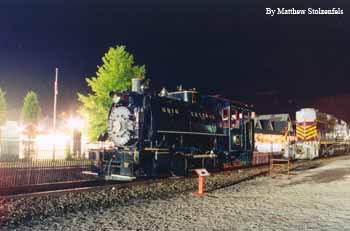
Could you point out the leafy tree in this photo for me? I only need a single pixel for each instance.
(114, 75)
(3, 107)
(31, 113)
(31, 110)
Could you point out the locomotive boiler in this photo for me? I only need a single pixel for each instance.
(172, 133)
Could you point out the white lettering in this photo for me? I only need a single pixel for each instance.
(270, 11)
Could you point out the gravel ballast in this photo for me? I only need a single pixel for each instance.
(161, 205)
(18, 210)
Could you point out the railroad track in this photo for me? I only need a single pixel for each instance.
(86, 186)
(29, 189)
(93, 185)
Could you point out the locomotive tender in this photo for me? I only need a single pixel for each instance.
(173, 133)
(320, 134)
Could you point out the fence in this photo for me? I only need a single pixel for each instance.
(34, 172)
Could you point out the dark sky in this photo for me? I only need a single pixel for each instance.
(278, 63)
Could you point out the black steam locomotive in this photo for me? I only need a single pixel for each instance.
(172, 133)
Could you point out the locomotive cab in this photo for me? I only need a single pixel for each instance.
(189, 96)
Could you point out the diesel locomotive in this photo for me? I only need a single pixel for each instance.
(320, 134)
(172, 133)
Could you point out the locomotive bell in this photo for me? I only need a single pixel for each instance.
(163, 92)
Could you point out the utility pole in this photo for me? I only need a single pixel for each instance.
(54, 113)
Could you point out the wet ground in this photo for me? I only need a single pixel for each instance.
(308, 199)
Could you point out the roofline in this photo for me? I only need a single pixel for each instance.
(183, 91)
(273, 117)
(232, 101)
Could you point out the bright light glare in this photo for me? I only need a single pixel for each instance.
(21, 128)
(75, 123)
(45, 144)
(269, 138)
(269, 142)
(40, 128)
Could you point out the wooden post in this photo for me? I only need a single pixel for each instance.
(271, 163)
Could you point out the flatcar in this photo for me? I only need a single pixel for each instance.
(172, 133)
(320, 134)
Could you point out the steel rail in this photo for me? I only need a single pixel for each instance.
(144, 182)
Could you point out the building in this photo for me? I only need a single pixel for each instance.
(9, 141)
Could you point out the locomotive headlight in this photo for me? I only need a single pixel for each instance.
(253, 115)
(116, 98)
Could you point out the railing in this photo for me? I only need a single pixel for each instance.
(283, 165)
(34, 172)
(264, 158)
(261, 158)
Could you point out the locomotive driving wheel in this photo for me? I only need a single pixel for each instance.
(209, 164)
(178, 164)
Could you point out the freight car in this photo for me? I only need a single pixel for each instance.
(320, 134)
(172, 133)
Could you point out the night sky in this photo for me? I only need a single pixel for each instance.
(231, 48)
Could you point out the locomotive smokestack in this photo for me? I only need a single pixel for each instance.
(136, 85)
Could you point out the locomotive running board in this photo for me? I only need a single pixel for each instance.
(89, 173)
(192, 133)
(205, 156)
(120, 177)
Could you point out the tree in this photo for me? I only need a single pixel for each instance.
(31, 113)
(31, 110)
(3, 107)
(114, 75)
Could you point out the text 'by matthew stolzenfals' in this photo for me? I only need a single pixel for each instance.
(308, 11)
